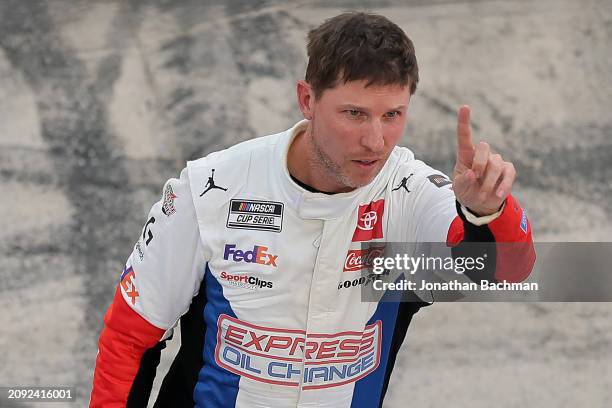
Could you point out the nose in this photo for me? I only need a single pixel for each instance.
(373, 139)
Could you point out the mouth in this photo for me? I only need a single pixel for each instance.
(366, 164)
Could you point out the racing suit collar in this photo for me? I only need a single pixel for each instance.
(310, 205)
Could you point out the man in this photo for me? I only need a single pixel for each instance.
(255, 266)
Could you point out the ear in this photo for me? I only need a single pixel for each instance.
(306, 98)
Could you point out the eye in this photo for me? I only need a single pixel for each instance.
(393, 114)
(355, 114)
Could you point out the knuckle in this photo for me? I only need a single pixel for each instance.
(510, 170)
(498, 165)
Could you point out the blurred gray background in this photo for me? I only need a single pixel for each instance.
(102, 101)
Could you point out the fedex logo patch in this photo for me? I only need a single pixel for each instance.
(287, 357)
(257, 255)
(369, 221)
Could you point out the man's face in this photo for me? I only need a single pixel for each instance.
(354, 130)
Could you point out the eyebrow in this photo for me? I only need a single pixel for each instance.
(361, 108)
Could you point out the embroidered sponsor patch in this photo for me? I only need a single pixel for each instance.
(138, 249)
(168, 204)
(369, 221)
(524, 225)
(358, 259)
(439, 180)
(255, 215)
(259, 254)
(127, 283)
(246, 281)
(289, 357)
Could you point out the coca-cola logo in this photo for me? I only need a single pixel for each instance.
(357, 259)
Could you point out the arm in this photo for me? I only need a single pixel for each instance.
(160, 278)
(478, 207)
(482, 182)
(508, 228)
(440, 218)
(125, 338)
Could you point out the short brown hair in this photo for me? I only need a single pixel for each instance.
(360, 46)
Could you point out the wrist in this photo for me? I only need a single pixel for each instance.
(478, 220)
(485, 212)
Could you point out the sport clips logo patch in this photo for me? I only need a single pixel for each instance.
(246, 281)
(259, 255)
(291, 357)
(369, 221)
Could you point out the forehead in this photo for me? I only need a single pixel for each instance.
(359, 94)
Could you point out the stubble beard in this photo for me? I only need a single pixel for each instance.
(323, 164)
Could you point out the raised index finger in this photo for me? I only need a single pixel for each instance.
(465, 146)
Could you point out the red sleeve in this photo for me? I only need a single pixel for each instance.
(123, 341)
(511, 231)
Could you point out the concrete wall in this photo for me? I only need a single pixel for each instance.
(102, 101)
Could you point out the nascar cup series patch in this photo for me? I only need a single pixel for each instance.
(255, 215)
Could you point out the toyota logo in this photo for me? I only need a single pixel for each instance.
(367, 221)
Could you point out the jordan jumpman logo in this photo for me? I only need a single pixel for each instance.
(403, 183)
(211, 184)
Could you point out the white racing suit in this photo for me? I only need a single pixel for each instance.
(264, 277)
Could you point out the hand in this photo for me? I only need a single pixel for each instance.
(481, 180)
